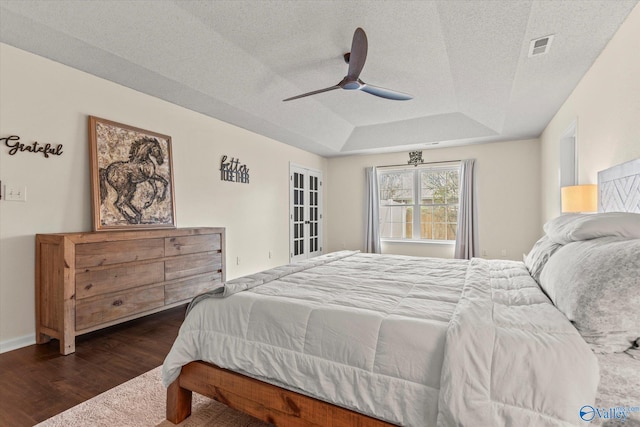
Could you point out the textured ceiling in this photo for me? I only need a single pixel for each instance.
(465, 62)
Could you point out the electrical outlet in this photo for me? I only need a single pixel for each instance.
(15, 193)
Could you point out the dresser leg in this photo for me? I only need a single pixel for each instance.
(67, 343)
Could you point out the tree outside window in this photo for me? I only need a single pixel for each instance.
(432, 191)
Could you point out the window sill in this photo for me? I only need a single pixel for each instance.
(419, 242)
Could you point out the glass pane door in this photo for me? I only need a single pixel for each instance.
(305, 213)
(299, 217)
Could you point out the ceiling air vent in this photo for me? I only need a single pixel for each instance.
(540, 46)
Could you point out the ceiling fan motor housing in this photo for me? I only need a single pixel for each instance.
(353, 85)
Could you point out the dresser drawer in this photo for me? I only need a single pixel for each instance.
(97, 282)
(184, 245)
(116, 252)
(187, 289)
(94, 311)
(190, 265)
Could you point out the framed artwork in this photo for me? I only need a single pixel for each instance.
(131, 177)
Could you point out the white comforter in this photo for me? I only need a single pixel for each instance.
(413, 341)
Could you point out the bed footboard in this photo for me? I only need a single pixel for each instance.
(264, 401)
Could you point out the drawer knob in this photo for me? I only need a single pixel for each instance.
(117, 302)
(89, 286)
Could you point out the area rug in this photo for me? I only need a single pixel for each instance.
(141, 402)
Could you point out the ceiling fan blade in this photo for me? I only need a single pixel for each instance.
(358, 54)
(385, 93)
(327, 89)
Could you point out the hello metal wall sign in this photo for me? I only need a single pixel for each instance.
(233, 170)
(14, 145)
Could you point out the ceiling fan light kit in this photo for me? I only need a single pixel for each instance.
(356, 59)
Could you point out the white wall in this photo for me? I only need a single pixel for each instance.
(48, 102)
(606, 106)
(508, 176)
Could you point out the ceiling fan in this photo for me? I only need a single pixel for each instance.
(351, 81)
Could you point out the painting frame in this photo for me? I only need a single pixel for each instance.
(131, 177)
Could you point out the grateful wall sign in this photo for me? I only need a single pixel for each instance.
(15, 146)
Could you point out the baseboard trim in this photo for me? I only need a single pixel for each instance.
(16, 343)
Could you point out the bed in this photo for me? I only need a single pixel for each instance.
(393, 340)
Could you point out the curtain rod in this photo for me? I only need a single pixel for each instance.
(424, 163)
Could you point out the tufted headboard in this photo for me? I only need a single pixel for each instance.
(619, 188)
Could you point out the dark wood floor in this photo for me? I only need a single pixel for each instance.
(36, 382)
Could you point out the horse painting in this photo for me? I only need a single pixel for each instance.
(135, 180)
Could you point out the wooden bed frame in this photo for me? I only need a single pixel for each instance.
(619, 188)
(264, 401)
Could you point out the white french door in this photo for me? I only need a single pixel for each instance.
(305, 213)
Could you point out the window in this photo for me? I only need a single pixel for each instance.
(432, 191)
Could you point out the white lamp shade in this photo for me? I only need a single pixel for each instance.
(579, 198)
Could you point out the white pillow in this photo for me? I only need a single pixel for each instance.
(596, 284)
(539, 255)
(575, 227)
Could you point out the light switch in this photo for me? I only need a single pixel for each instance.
(15, 193)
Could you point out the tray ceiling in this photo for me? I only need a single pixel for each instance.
(465, 62)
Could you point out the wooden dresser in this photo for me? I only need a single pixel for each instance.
(88, 281)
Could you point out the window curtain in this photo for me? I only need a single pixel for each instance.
(372, 205)
(467, 235)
